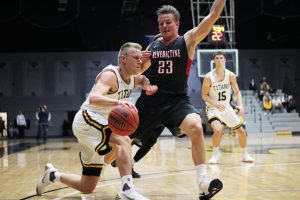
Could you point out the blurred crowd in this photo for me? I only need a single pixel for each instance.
(271, 100)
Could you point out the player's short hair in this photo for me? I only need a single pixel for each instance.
(168, 9)
(219, 53)
(125, 48)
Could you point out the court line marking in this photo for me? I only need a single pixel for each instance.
(188, 171)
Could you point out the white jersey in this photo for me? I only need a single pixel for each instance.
(124, 91)
(220, 90)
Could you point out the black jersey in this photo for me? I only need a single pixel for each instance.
(170, 66)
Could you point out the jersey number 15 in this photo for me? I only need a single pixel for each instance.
(222, 96)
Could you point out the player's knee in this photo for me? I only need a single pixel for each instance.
(123, 141)
(195, 130)
(218, 130)
(127, 141)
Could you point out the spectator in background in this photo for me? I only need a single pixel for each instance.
(2, 126)
(43, 116)
(285, 101)
(277, 104)
(261, 92)
(11, 130)
(267, 103)
(21, 124)
(252, 86)
(291, 106)
(263, 80)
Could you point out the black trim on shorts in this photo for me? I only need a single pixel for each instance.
(105, 131)
(213, 119)
(238, 126)
(90, 169)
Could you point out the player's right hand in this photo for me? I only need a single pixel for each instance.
(220, 107)
(146, 55)
(151, 89)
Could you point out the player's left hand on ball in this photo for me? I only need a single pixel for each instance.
(151, 89)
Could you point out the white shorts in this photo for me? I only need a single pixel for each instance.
(228, 116)
(93, 133)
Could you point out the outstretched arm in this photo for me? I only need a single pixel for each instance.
(194, 36)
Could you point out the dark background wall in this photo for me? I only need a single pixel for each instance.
(51, 50)
(94, 25)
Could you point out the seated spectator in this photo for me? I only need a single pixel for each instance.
(285, 101)
(252, 86)
(261, 92)
(267, 103)
(291, 106)
(277, 104)
(263, 80)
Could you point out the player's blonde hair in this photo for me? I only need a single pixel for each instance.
(125, 48)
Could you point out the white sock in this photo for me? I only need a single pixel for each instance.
(127, 179)
(57, 176)
(216, 149)
(201, 171)
(244, 150)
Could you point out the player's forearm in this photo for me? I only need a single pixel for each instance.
(208, 100)
(102, 101)
(239, 100)
(217, 8)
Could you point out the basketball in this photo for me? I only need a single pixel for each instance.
(123, 120)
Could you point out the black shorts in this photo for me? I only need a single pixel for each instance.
(161, 109)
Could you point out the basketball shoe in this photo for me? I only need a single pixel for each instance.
(247, 158)
(135, 174)
(129, 193)
(47, 178)
(208, 189)
(215, 157)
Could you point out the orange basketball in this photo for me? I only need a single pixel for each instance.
(123, 120)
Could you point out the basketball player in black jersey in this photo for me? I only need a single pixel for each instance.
(169, 70)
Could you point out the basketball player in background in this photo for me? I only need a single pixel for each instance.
(113, 85)
(216, 92)
(169, 69)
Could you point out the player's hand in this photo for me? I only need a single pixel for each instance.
(220, 107)
(151, 89)
(146, 55)
(127, 104)
(241, 110)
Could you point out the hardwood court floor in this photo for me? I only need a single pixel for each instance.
(167, 171)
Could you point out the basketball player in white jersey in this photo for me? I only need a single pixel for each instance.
(216, 92)
(99, 146)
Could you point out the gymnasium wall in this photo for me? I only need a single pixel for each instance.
(61, 80)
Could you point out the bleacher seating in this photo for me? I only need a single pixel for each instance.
(276, 122)
(285, 122)
(255, 120)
